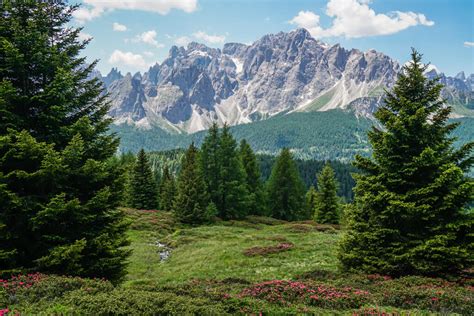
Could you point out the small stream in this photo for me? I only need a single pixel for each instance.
(163, 250)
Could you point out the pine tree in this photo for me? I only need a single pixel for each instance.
(191, 205)
(167, 190)
(211, 164)
(409, 214)
(257, 203)
(327, 206)
(234, 200)
(142, 184)
(285, 189)
(58, 190)
(310, 199)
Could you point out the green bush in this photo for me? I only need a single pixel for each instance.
(51, 288)
(136, 302)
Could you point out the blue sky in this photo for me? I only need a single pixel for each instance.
(132, 35)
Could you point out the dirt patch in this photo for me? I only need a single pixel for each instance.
(263, 251)
(300, 228)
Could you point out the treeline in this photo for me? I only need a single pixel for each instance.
(223, 179)
(306, 168)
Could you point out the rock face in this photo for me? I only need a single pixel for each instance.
(239, 83)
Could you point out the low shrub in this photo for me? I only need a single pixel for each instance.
(290, 292)
(134, 302)
(425, 293)
(263, 251)
(264, 220)
(299, 228)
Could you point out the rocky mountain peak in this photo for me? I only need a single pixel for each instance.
(279, 73)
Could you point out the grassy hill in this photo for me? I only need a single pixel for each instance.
(254, 266)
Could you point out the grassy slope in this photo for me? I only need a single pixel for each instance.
(216, 252)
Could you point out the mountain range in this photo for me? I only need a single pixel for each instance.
(277, 74)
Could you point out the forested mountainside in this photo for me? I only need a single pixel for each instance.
(333, 135)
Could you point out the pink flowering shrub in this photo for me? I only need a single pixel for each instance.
(20, 281)
(288, 292)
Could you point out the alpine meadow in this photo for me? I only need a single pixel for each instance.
(257, 168)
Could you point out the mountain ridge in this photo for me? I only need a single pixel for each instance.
(279, 73)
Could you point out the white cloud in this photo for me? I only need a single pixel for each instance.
(84, 36)
(148, 54)
(214, 39)
(95, 8)
(182, 41)
(354, 18)
(469, 44)
(119, 58)
(119, 27)
(148, 37)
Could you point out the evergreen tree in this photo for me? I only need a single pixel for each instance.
(327, 206)
(167, 190)
(191, 205)
(409, 215)
(58, 190)
(211, 164)
(253, 180)
(142, 184)
(310, 202)
(234, 200)
(286, 189)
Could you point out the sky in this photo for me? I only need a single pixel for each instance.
(132, 35)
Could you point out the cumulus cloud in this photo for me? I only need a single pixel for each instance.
(84, 36)
(214, 39)
(354, 18)
(182, 41)
(95, 8)
(119, 58)
(148, 37)
(148, 54)
(469, 44)
(119, 27)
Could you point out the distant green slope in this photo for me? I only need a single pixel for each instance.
(334, 135)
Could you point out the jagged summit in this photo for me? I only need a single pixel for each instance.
(279, 73)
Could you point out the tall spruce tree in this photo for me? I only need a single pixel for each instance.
(409, 214)
(211, 164)
(167, 190)
(286, 193)
(143, 186)
(310, 199)
(327, 206)
(257, 203)
(191, 205)
(58, 192)
(234, 200)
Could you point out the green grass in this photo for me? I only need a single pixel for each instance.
(216, 252)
